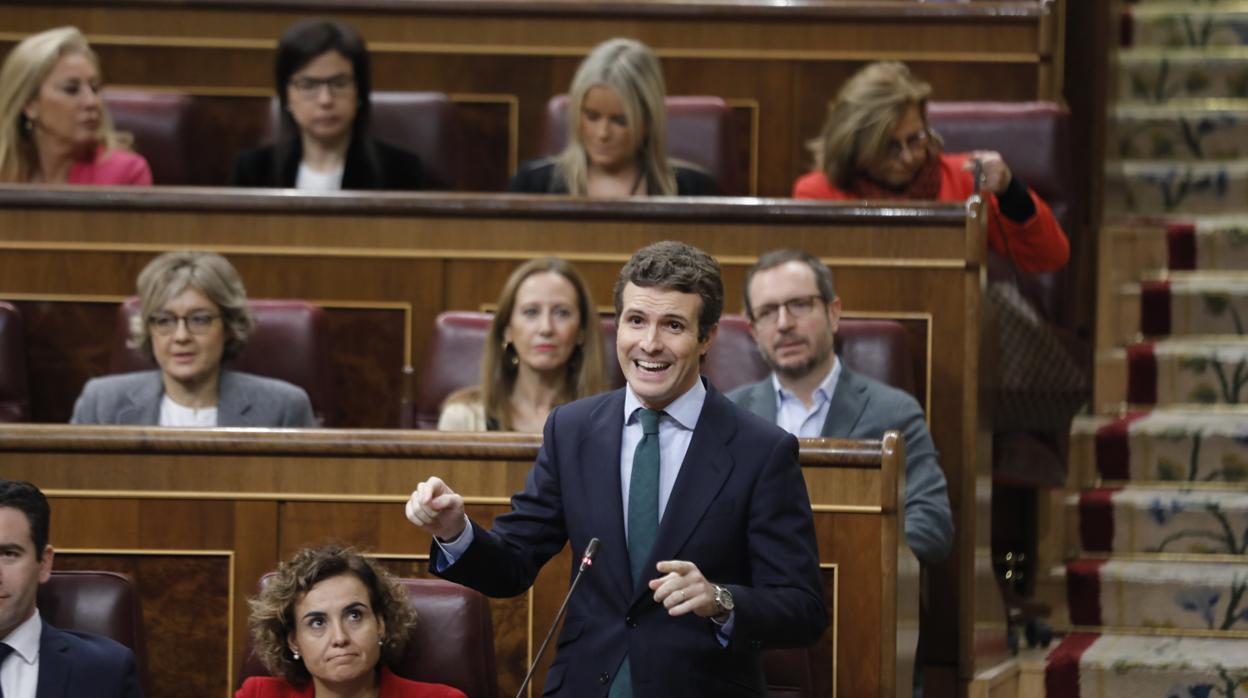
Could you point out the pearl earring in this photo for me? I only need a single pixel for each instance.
(296, 654)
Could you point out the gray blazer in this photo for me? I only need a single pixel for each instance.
(245, 401)
(864, 408)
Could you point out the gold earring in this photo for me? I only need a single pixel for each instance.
(509, 350)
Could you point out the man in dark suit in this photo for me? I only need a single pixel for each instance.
(793, 311)
(708, 548)
(36, 659)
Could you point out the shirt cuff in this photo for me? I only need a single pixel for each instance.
(1015, 202)
(452, 550)
(724, 632)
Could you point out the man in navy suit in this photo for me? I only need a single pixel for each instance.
(708, 548)
(36, 659)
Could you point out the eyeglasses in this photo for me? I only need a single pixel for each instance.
(916, 141)
(309, 88)
(766, 315)
(167, 323)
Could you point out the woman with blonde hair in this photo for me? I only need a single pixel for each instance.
(617, 133)
(328, 624)
(876, 144)
(543, 349)
(54, 127)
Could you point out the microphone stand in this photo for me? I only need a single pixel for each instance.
(587, 561)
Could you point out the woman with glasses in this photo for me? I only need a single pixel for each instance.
(193, 315)
(876, 144)
(617, 133)
(323, 89)
(54, 127)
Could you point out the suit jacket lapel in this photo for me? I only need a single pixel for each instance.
(849, 401)
(705, 468)
(761, 400)
(601, 446)
(234, 402)
(141, 405)
(54, 664)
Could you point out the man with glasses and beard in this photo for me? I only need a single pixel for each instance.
(793, 312)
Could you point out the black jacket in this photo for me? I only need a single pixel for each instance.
(538, 177)
(396, 168)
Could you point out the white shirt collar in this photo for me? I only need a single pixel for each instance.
(823, 392)
(25, 638)
(684, 410)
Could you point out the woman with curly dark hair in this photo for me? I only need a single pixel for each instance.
(327, 625)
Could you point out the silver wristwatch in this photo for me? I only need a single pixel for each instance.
(723, 603)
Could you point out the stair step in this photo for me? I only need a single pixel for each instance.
(1208, 244)
(1090, 665)
(1204, 446)
(1189, 304)
(1153, 187)
(1163, 520)
(1188, 25)
(1171, 594)
(1161, 75)
(1177, 133)
(1199, 371)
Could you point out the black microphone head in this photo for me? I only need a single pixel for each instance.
(591, 550)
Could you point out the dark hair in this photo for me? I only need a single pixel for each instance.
(678, 267)
(775, 258)
(302, 42)
(27, 498)
(272, 618)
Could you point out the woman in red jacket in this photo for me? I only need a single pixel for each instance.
(326, 625)
(876, 144)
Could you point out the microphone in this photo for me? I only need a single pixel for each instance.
(587, 561)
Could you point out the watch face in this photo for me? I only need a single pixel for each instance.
(723, 598)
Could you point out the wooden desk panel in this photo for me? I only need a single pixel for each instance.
(198, 516)
(779, 64)
(431, 253)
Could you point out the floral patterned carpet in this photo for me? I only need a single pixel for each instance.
(1157, 576)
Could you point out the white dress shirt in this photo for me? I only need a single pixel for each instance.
(793, 416)
(19, 673)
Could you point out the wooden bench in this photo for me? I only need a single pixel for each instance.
(197, 516)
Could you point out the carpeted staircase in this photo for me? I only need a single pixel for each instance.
(1154, 560)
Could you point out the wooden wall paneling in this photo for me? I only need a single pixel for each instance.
(763, 53)
(69, 340)
(257, 497)
(452, 251)
(188, 559)
(185, 602)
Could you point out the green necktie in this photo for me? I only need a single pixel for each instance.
(643, 521)
(643, 495)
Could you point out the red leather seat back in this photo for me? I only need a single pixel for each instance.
(876, 348)
(158, 121)
(454, 361)
(290, 342)
(14, 386)
(699, 131)
(452, 642)
(425, 123)
(103, 603)
(1032, 137)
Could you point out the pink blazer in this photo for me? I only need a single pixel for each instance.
(112, 167)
